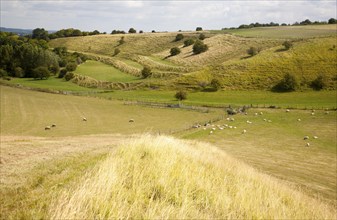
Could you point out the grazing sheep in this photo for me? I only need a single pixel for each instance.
(131, 120)
(315, 137)
(249, 122)
(269, 121)
(255, 114)
(84, 119)
(211, 132)
(308, 145)
(261, 113)
(327, 112)
(312, 113)
(306, 138)
(53, 125)
(213, 129)
(244, 131)
(47, 128)
(287, 110)
(264, 119)
(204, 128)
(299, 119)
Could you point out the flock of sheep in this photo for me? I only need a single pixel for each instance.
(212, 127)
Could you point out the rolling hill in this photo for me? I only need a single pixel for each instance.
(313, 53)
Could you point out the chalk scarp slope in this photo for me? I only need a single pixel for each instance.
(165, 178)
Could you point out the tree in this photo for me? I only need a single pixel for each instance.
(252, 51)
(202, 37)
(40, 33)
(41, 72)
(287, 44)
(181, 95)
(199, 47)
(198, 29)
(287, 84)
(179, 37)
(71, 67)
(175, 51)
(216, 84)
(146, 72)
(332, 21)
(132, 31)
(319, 83)
(188, 42)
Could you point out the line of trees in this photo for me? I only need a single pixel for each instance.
(272, 24)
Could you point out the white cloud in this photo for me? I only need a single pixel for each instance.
(106, 15)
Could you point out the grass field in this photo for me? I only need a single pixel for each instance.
(285, 32)
(103, 72)
(308, 99)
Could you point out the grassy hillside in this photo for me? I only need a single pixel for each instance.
(314, 53)
(161, 177)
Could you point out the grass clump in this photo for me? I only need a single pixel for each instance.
(162, 177)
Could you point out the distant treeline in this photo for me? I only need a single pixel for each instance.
(272, 24)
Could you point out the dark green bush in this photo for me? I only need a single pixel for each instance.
(181, 95)
(41, 72)
(179, 37)
(71, 67)
(199, 47)
(69, 76)
(287, 84)
(146, 72)
(319, 83)
(188, 42)
(62, 73)
(175, 51)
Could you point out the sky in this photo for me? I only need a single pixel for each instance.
(165, 15)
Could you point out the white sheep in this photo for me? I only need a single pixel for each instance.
(269, 121)
(312, 113)
(47, 128)
(306, 137)
(261, 113)
(287, 110)
(211, 132)
(131, 120)
(308, 144)
(244, 131)
(299, 119)
(315, 137)
(84, 119)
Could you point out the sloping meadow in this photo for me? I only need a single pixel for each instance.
(159, 177)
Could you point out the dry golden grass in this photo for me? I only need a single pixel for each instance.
(165, 178)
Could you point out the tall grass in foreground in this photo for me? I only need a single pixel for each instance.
(162, 177)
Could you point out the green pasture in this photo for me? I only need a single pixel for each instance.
(103, 72)
(52, 83)
(307, 99)
(287, 32)
(25, 112)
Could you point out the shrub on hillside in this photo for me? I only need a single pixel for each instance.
(181, 95)
(18, 72)
(41, 72)
(188, 42)
(146, 72)
(3, 73)
(287, 45)
(199, 47)
(179, 37)
(287, 84)
(319, 83)
(198, 29)
(252, 51)
(202, 37)
(121, 41)
(216, 84)
(117, 51)
(175, 51)
(71, 66)
(69, 76)
(62, 73)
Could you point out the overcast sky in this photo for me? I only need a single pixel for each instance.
(162, 15)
